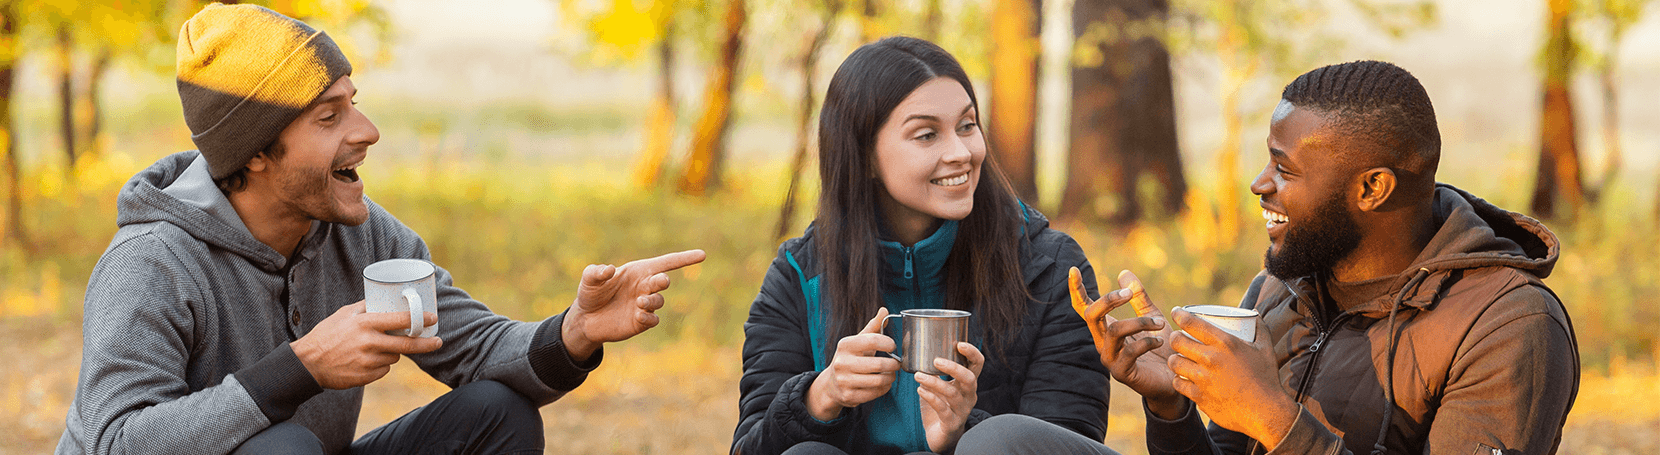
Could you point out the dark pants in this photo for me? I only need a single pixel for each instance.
(482, 417)
(1003, 434)
(1011, 434)
(819, 448)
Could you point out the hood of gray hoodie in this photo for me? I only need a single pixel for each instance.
(178, 189)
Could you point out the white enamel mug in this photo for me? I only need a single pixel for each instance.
(400, 285)
(1239, 322)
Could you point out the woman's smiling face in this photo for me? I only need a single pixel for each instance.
(928, 157)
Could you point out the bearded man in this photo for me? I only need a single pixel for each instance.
(1396, 314)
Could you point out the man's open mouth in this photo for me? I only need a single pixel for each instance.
(1274, 218)
(346, 174)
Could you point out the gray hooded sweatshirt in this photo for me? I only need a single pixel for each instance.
(188, 321)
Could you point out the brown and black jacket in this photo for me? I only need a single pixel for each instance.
(1484, 358)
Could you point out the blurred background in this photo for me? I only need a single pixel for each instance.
(525, 139)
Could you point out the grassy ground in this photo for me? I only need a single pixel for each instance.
(516, 235)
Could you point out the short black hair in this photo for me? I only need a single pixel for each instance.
(1376, 102)
(238, 181)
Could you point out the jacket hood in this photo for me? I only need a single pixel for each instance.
(145, 199)
(1473, 234)
(1034, 262)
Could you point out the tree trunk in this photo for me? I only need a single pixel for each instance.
(1012, 120)
(96, 142)
(1610, 126)
(804, 117)
(1123, 116)
(708, 152)
(870, 27)
(8, 141)
(1238, 68)
(66, 93)
(660, 127)
(1558, 173)
(933, 18)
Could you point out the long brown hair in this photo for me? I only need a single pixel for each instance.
(982, 272)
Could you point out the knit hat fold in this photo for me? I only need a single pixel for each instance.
(244, 73)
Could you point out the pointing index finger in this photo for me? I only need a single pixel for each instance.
(674, 261)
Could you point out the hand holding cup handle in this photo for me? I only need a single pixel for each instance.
(895, 354)
(399, 285)
(857, 373)
(925, 335)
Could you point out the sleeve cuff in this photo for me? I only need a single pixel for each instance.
(1181, 435)
(1306, 435)
(279, 383)
(789, 409)
(552, 363)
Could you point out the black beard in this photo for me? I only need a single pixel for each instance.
(1328, 236)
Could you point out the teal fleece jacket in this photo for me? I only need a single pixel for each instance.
(1049, 369)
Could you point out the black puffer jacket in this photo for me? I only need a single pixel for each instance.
(1049, 370)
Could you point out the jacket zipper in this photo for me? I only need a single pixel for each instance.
(1314, 353)
(908, 256)
(1314, 350)
(910, 274)
(1313, 361)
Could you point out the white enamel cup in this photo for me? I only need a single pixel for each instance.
(1239, 322)
(403, 285)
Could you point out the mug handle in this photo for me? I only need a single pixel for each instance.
(893, 355)
(416, 312)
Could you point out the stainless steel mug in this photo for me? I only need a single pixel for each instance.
(925, 335)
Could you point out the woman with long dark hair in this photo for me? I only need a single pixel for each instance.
(914, 214)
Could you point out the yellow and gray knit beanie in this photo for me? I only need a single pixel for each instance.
(245, 72)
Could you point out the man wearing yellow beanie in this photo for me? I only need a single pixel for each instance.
(221, 319)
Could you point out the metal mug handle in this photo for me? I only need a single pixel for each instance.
(896, 340)
(417, 313)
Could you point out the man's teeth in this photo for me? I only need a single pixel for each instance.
(346, 174)
(1273, 218)
(952, 181)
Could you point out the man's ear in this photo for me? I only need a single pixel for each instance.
(259, 162)
(1376, 185)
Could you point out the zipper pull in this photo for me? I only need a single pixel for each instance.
(908, 273)
(1317, 342)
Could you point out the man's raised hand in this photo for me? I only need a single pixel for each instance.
(1134, 350)
(616, 303)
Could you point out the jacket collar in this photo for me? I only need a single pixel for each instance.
(924, 261)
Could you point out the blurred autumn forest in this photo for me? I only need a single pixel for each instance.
(1133, 123)
(1123, 163)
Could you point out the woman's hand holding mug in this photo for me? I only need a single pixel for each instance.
(856, 374)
